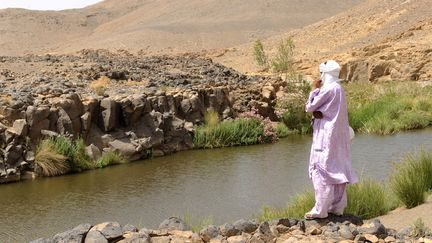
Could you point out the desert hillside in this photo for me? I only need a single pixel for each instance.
(162, 26)
(375, 40)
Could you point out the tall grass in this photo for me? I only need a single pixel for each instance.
(49, 160)
(110, 158)
(412, 178)
(74, 151)
(389, 108)
(282, 130)
(368, 199)
(243, 131)
(296, 208)
(197, 224)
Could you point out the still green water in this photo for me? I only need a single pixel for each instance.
(227, 184)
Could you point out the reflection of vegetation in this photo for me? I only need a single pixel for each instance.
(389, 107)
(412, 179)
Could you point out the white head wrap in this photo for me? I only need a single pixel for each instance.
(329, 72)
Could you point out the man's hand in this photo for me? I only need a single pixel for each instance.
(317, 114)
(316, 84)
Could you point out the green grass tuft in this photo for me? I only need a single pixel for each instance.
(51, 162)
(282, 130)
(110, 158)
(368, 199)
(412, 179)
(243, 131)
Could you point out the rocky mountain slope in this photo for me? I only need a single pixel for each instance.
(158, 26)
(375, 40)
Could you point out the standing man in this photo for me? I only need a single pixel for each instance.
(330, 159)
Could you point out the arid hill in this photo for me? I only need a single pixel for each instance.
(162, 26)
(375, 40)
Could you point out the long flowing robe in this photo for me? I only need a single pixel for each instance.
(330, 158)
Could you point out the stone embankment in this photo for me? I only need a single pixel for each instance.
(150, 106)
(333, 229)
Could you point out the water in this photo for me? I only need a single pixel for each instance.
(227, 184)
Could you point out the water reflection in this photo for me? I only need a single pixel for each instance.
(228, 184)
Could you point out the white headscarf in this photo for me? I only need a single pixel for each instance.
(329, 72)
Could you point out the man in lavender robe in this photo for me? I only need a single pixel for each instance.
(330, 159)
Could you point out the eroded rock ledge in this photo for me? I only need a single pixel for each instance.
(151, 105)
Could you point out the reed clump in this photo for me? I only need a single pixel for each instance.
(412, 178)
(110, 158)
(51, 162)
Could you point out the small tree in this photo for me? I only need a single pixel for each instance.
(284, 60)
(260, 55)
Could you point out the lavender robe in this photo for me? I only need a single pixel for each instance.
(330, 153)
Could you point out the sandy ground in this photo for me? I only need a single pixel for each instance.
(402, 217)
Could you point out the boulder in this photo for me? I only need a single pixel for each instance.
(110, 114)
(174, 223)
(135, 237)
(19, 128)
(95, 237)
(93, 152)
(109, 230)
(126, 149)
(209, 232)
(228, 230)
(75, 235)
(64, 123)
(247, 226)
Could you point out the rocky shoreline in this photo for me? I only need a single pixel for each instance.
(345, 229)
(150, 107)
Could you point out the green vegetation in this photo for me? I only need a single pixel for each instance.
(61, 155)
(282, 130)
(211, 118)
(49, 160)
(74, 151)
(110, 158)
(368, 199)
(260, 55)
(419, 229)
(388, 108)
(196, 224)
(292, 107)
(412, 179)
(284, 60)
(242, 131)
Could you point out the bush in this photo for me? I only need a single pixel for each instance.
(74, 151)
(50, 161)
(110, 158)
(101, 85)
(243, 131)
(412, 178)
(367, 199)
(211, 118)
(260, 55)
(283, 61)
(282, 130)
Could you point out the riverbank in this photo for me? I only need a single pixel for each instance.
(134, 106)
(333, 229)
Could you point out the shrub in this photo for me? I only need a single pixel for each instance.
(101, 85)
(412, 178)
(283, 61)
(260, 55)
(49, 160)
(211, 118)
(282, 130)
(297, 208)
(367, 199)
(243, 131)
(111, 158)
(74, 151)
(419, 229)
